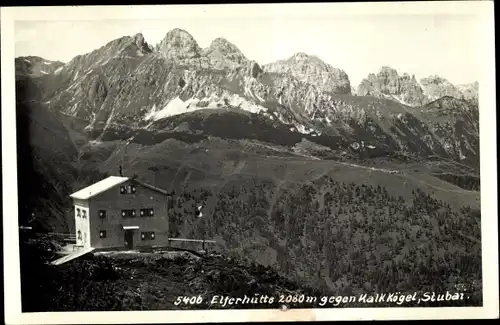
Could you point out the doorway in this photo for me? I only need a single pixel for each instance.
(129, 239)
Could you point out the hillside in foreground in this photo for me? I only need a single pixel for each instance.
(155, 281)
(324, 223)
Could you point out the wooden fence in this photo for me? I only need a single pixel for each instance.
(187, 240)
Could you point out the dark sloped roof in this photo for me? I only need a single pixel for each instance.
(151, 187)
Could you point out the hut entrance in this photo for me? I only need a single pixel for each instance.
(129, 239)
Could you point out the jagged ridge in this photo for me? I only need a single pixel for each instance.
(387, 83)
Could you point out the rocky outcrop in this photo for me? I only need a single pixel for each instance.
(254, 70)
(179, 44)
(35, 66)
(387, 83)
(435, 87)
(141, 43)
(470, 91)
(312, 70)
(224, 54)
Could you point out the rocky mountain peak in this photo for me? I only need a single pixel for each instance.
(387, 83)
(223, 44)
(139, 39)
(300, 56)
(312, 70)
(470, 91)
(435, 87)
(141, 43)
(224, 54)
(179, 44)
(35, 66)
(254, 69)
(388, 72)
(434, 79)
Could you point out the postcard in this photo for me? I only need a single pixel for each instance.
(250, 162)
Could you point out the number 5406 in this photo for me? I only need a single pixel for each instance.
(188, 300)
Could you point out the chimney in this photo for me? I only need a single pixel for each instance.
(121, 171)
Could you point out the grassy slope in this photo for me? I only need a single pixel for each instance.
(323, 223)
(214, 161)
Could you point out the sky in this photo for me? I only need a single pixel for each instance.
(423, 43)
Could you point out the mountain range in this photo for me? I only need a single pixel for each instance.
(297, 168)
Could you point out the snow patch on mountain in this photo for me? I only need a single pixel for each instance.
(240, 102)
(303, 129)
(397, 98)
(177, 106)
(174, 107)
(259, 98)
(58, 70)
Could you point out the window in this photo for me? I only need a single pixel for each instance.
(149, 235)
(128, 213)
(147, 212)
(102, 214)
(102, 234)
(129, 189)
(78, 213)
(84, 214)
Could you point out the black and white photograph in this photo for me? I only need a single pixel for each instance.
(251, 162)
